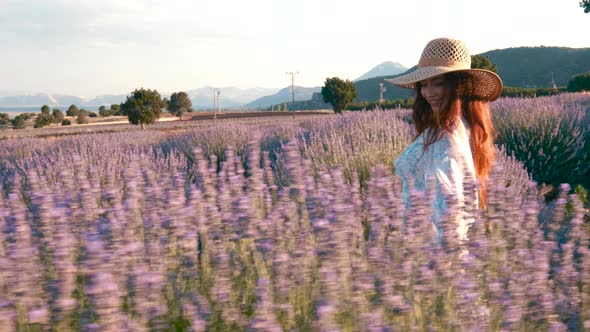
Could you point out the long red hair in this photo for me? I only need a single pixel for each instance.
(460, 101)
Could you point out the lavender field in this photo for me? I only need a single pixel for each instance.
(292, 226)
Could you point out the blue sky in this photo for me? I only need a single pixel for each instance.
(90, 48)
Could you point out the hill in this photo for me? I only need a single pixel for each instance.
(284, 96)
(384, 69)
(202, 98)
(532, 67)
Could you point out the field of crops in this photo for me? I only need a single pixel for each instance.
(292, 225)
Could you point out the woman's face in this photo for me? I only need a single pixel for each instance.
(433, 90)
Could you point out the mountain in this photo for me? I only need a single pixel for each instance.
(39, 100)
(284, 96)
(106, 100)
(386, 68)
(201, 98)
(229, 96)
(369, 90)
(533, 67)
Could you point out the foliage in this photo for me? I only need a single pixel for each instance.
(129, 234)
(72, 110)
(539, 67)
(43, 119)
(586, 5)
(58, 116)
(102, 111)
(82, 118)
(386, 104)
(18, 122)
(92, 114)
(509, 91)
(179, 103)
(45, 109)
(339, 93)
(143, 106)
(479, 61)
(579, 83)
(4, 119)
(356, 142)
(66, 122)
(549, 135)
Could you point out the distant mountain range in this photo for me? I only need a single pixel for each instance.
(518, 67)
(201, 98)
(284, 96)
(229, 96)
(384, 69)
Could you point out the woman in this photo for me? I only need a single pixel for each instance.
(454, 142)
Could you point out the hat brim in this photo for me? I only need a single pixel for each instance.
(486, 84)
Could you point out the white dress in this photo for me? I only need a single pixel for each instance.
(449, 162)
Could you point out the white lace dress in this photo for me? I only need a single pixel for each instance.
(449, 162)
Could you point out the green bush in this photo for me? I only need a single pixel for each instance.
(510, 91)
(42, 120)
(579, 83)
(18, 122)
(66, 122)
(548, 135)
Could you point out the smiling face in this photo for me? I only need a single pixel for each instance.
(433, 90)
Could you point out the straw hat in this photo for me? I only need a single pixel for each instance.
(445, 55)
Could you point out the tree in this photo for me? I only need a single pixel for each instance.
(58, 115)
(104, 112)
(339, 93)
(18, 122)
(82, 118)
(586, 5)
(481, 62)
(43, 119)
(45, 109)
(143, 106)
(579, 83)
(4, 119)
(116, 109)
(179, 103)
(72, 110)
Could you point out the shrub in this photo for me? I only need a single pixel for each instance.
(58, 116)
(82, 118)
(126, 239)
(546, 134)
(579, 83)
(66, 122)
(43, 119)
(18, 122)
(4, 119)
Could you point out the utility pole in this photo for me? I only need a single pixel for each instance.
(216, 103)
(219, 100)
(293, 90)
(381, 90)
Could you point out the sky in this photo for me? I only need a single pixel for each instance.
(96, 47)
